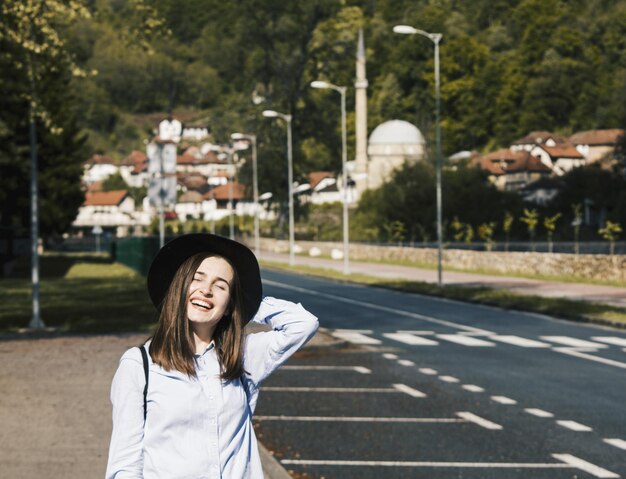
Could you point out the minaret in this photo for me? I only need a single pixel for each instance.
(360, 86)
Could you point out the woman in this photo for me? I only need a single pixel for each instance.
(204, 374)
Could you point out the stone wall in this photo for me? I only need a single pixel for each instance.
(587, 266)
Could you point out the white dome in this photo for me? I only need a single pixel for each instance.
(396, 132)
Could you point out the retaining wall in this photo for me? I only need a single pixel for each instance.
(588, 266)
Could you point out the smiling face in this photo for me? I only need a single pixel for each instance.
(209, 293)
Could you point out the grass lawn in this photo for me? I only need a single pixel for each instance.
(79, 293)
(562, 308)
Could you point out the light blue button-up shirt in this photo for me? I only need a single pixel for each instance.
(200, 427)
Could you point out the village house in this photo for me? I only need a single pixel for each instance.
(195, 132)
(134, 169)
(113, 211)
(595, 145)
(190, 205)
(512, 170)
(98, 168)
(529, 161)
(323, 188)
(538, 138)
(560, 159)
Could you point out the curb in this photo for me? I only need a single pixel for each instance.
(272, 469)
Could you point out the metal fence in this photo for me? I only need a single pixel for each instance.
(136, 252)
(567, 247)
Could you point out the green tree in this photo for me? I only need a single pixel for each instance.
(35, 67)
(485, 233)
(610, 233)
(507, 225)
(549, 223)
(458, 228)
(531, 219)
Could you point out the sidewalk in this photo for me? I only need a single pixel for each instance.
(611, 295)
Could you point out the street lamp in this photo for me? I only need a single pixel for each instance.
(228, 151)
(342, 91)
(435, 38)
(255, 185)
(287, 119)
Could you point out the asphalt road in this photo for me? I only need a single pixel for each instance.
(429, 388)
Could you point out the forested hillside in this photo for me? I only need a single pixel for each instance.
(507, 67)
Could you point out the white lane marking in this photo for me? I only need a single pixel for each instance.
(359, 419)
(405, 362)
(473, 388)
(610, 340)
(574, 426)
(358, 369)
(503, 400)
(482, 422)
(619, 443)
(428, 371)
(518, 341)
(465, 340)
(328, 390)
(583, 354)
(463, 465)
(377, 307)
(411, 339)
(573, 342)
(538, 412)
(585, 466)
(448, 379)
(390, 356)
(397, 388)
(355, 336)
(409, 390)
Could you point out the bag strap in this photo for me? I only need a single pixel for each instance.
(144, 357)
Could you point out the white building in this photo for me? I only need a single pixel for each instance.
(560, 159)
(390, 145)
(111, 210)
(595, 145)
(98, 168)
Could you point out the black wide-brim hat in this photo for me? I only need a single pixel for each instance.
(174, 253)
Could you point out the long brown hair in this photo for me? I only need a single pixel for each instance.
(172, 345)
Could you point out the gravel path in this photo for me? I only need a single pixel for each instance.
(55, 413)
(54, 408)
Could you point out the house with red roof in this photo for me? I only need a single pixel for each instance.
(596, 145)
(323, 188)
(538, 138)
(134, 169)
(512, 170)
(560, 159)
(113, 211)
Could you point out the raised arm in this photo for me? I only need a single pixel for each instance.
(126, 449)
(292, 326)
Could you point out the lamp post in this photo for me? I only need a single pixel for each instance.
(435, 38)
(287, 119)
(229, 152)
(346, 241)
(255, 185)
